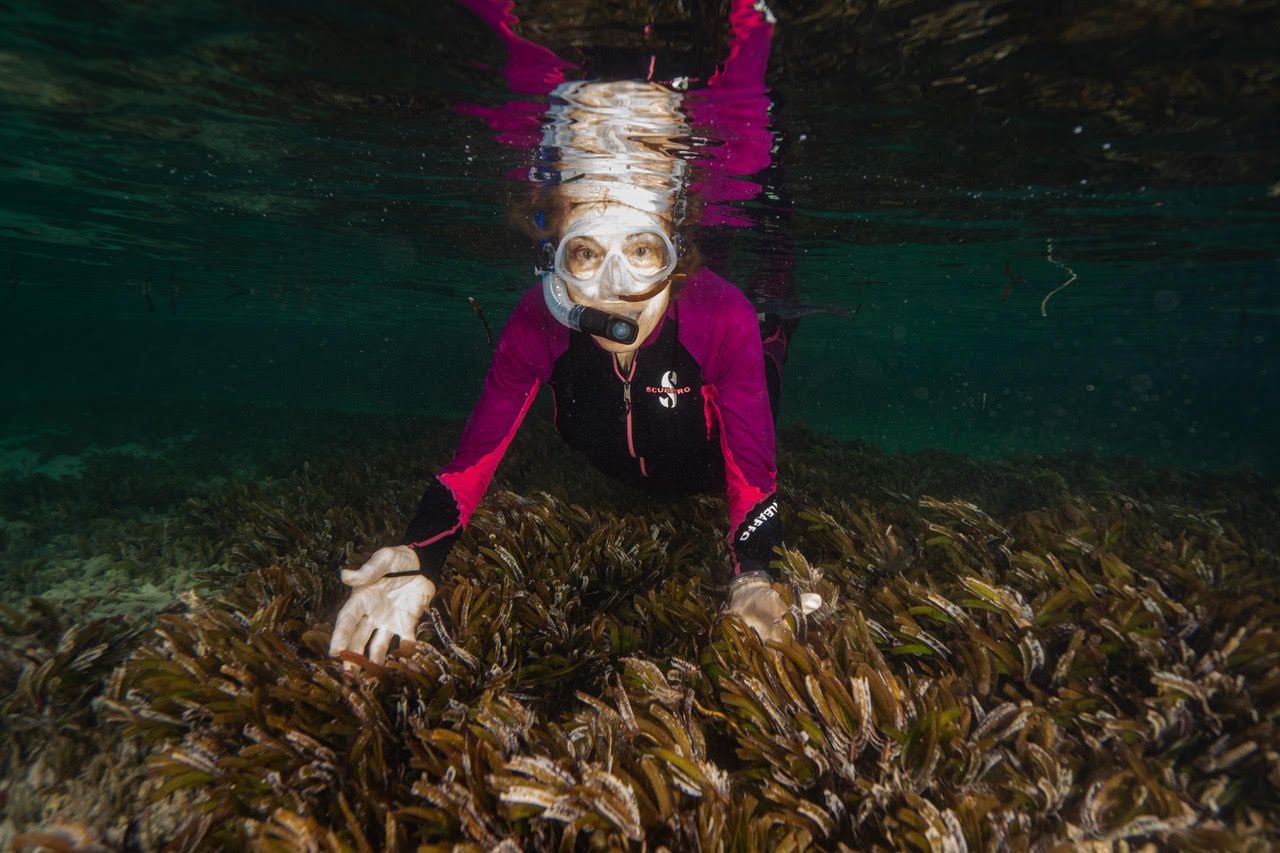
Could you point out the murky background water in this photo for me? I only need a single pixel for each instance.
(237, 244)
(276, 206)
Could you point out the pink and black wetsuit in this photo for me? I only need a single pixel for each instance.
(691, 415)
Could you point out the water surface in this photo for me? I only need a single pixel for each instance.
(276, 205)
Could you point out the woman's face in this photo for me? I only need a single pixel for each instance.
(619, 260)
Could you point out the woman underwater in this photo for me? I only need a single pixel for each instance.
(657, 367)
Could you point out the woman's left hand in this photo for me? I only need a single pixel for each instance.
(753, 599)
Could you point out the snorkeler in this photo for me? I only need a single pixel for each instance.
(656, 366)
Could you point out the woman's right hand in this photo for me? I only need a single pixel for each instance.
(381, 608)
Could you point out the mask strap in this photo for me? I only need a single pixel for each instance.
(648, 294)
(546, 255)
(545, 252)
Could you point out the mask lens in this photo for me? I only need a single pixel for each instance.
(582, 257)
(648, 256)
(646, 253)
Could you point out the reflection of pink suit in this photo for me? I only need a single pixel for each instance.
(733, 108)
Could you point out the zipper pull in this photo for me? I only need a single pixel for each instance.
(626, 395)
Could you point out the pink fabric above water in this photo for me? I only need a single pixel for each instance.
(732, 109)
(531, 68)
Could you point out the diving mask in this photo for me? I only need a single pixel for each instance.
(618, 254)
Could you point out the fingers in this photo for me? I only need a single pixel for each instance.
(378, 612)
(405, 624)
(348, 617)
(360, 637)
(424, 590)
(381, 642)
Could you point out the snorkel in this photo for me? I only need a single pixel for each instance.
(582, 318)
(593, 321)
(608, 254)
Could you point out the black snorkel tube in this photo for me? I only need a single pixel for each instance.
(593, 321)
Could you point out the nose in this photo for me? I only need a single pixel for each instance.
(614, 278)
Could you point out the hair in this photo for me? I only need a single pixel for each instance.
(555, 207)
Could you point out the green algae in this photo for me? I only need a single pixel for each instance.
(1023, 654)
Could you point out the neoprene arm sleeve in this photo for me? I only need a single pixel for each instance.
(738, 398)
(521, 363)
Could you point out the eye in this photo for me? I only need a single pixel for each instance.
(645, 253)
(584, 254)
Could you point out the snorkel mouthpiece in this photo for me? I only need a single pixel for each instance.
(623, 330)
(593, 321)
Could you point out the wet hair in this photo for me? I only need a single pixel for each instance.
(540, 213)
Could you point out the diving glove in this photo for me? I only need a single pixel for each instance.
(753, 599)
(388, 597)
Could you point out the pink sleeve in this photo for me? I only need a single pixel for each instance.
(718, 326)
(531, 70)
(529, 345)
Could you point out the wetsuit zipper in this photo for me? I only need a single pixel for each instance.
(626, 403)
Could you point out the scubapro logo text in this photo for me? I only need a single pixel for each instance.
(669, 391)
(756, 523)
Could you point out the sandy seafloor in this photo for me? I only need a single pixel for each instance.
(111, 537)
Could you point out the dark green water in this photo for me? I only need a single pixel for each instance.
(216, 206)
(237, 243)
